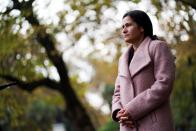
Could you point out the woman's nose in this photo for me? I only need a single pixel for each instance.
(124, 30)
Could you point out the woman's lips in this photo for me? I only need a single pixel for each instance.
(126, 36)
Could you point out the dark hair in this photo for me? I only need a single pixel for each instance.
(143, 20)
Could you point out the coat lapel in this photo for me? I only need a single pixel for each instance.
(141, 57)
(123, 64)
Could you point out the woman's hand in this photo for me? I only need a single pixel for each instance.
(125, 119)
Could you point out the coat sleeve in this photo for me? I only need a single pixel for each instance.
(116, 104)
(159, 92)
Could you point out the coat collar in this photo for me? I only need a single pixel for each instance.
(140, 59)
(123, 63)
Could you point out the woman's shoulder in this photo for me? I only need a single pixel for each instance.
(158, 45)
(158, 42)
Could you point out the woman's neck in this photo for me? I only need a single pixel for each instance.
(137, 43)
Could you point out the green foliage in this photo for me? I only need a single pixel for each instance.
(20, 110)
(183, 99)
(19, 56)
(157, 3)
(13, 105)
(136, 1)
(107, 94)
(79, 87)
(110, 126)
(106, 72)
(41, 112)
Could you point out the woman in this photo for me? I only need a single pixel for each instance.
(145, 78)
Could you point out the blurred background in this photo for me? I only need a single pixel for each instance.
(63, 54)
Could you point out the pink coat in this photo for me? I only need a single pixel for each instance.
(144, 87)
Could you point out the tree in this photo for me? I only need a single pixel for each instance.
(24, 55)
(42, 43)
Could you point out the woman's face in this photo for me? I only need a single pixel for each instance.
(131, 32)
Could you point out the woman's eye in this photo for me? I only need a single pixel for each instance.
(129, 24)
(126, 25)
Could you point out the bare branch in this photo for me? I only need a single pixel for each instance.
(27, 10)
(3, 86)
(46, 40)
(16, 5)
(30, 86)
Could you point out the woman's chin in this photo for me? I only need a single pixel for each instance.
(128, 43)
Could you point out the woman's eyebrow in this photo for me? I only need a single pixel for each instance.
(126, 24)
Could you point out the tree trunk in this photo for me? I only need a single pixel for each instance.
(75, 113)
